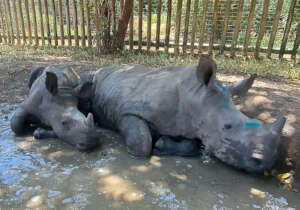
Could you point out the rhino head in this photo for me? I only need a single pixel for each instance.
(226, 132)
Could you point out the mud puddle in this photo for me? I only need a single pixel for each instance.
(50, 174)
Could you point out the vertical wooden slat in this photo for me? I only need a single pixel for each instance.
(96, 15)
(61, 23)
(121, 7)
(158, 24)
(177, 26)
(114, 24)
(3, 24)
(47, 22)
(186, 25)
(202, 26)
(1, 31)
(237, 27)
(83, 44)
(194, 25)
(67, 3)
(297, 42)
(22, 21)
(88, 19)
(262, 28)
(41, 22)
(75, 23)
(140, 33)
(10, 22)
(168, 26)
(149, 25)
(54, 23)
(225, 27)
(249, 26)
(213, 27)
(274, 27)
(36, 36)
(16, 22)
(5, 21)
(287, 28)
(131, 28)
(28, 21)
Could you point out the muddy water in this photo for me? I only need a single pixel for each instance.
(50, 174)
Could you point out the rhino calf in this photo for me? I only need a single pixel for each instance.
(145, 104)
(51, 110)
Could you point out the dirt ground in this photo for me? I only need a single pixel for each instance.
(266, 100)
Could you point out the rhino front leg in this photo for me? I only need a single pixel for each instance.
(20, 122)
(41, 133)
(137, 136)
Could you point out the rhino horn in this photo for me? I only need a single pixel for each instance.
(90, 121)
(75, 73)
(277, 126)
(241, 88)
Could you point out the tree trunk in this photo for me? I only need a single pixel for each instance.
(123, 24)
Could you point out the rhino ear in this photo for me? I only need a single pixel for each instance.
(51, 82)
(35, 73)
(84, 90)
(278, 125)
(206, 70)
(241, 88)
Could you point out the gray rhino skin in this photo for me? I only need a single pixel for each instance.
(51, 108)
(145, 104)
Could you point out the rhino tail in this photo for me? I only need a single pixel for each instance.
(35, 73)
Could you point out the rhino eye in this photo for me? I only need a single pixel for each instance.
(227, 126)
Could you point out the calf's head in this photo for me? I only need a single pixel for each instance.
(226, 132)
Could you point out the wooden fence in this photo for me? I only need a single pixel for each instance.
(173, 26)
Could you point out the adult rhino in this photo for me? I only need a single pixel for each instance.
(152, 107)
(51, 110)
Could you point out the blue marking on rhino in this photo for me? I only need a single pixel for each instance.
(224, 89)
(252, 124)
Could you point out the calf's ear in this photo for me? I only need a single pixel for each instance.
(84, 90)
(51, 82)
(206, 70)
(35, 73)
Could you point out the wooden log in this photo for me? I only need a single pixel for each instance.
(225, 27)
(22, 21)
(158, 23)
(249, 27)
(83, 44)
(214, 27)
(194, 24)
(177, 26)
(41, 22)
(34, 23)
(140, 29)
(75, 23)
(274, 27)
(28, 21)
(149, 25)
(61, 23)
(10, 22)
(202, 26)
(47, 22)
(186, 25)
(131, 28)
(16, 22)
(296, 42)
(168, 25)
(88, 20)
(54, 23)
(67, 3)
(287, 28)
(262, 28)
(237, 27)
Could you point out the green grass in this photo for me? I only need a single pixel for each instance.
(240, 65)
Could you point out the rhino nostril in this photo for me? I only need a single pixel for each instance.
(227, 126)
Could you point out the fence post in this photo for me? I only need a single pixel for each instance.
(41, 22)
(28, 21)
(88, 15)
(3, 37)
(67, 3)
(140, 23)
(261, 28)
(186, 25)
(5, 26)
(177, 26)
(214, 27)
(225, 28)
(75, 23)
(17, 22)
(83, 44)
(249, 26)
(297, 42)
(287, 28)
(54, 23)
(237, 27)
(61, 23)
(36, 36)
(22, 21)
(131, 28)
(194, 24)
(10, 22)
(168, 26)
(149, 26)
(202, 26)
(114, 24)
(158, 24)
(274, 27)
(47, 22)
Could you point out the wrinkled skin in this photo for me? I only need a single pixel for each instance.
(50, 110)
(145, 104)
